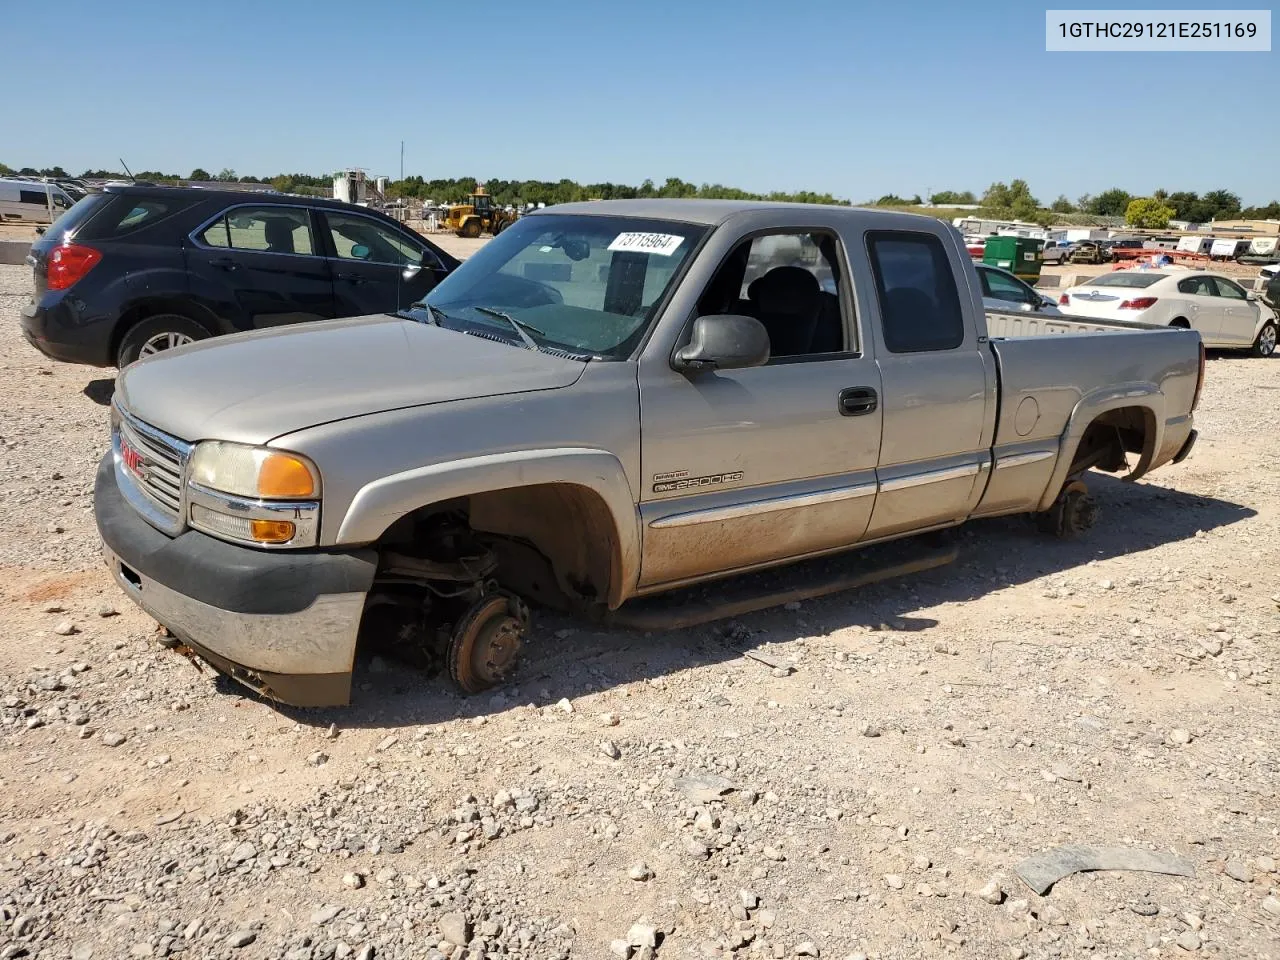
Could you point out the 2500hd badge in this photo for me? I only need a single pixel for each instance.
(667, 482)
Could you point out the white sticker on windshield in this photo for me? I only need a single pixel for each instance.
(663, 244)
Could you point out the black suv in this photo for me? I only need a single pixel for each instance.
(137, 269)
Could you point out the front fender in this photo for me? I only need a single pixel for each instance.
(380, 503)
(1146, 396)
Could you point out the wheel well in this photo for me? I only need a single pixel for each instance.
(556, 543)
(138, 312)
(1113, 435)
(1182, 322)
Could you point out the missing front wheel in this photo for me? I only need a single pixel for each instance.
(436, 604)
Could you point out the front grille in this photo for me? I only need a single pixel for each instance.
(155, 463)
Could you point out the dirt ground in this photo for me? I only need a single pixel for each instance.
(877, 787)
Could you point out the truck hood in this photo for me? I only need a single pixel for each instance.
(253, 387)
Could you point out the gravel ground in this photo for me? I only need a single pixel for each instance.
(870, 796)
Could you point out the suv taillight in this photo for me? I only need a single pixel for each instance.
(69, 263)
(1195, 400)
(1064, 301)
(1137, 303)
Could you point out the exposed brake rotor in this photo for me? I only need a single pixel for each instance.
(1073, 513)
(486, 642)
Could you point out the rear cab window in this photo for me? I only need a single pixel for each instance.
(916, 291)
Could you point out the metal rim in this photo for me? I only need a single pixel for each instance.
(1267, 340)
(486, 644)
(159, 342)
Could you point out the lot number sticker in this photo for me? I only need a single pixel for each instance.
(663, 244)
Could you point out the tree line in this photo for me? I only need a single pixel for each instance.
(1001, 200)
(1015, 200)
(569, 191)
(516, 192)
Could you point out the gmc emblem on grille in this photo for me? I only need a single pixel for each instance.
(132, 459)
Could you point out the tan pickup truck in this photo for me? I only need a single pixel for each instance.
(609, 400)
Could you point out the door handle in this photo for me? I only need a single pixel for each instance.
(857, 401)
(351, 277)
(225, 263)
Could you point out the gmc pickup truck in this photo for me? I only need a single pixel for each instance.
(608, 401)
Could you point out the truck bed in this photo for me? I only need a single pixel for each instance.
(1005, 325)
(1044, 386)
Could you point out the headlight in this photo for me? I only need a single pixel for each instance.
(254, 495)
(257, 472)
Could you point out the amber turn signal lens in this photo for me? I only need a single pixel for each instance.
(283, 476)
(271, 531)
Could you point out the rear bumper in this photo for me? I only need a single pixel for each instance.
(1185, 452)
(283, 623)
(44, 327)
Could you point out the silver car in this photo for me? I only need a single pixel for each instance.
(1001, 290)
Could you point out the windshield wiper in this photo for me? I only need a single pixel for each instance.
(434, 313)
(519, 326)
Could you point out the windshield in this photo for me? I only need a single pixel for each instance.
(588, 285)
(1136, 280)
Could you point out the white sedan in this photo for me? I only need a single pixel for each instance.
(1001, 290)
(1226, 316)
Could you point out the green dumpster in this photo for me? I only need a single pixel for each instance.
(1019, 255)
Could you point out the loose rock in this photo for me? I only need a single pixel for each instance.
(455, 927)
(992, 892)
(1236, 870)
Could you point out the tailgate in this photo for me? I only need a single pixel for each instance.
(1016, 324)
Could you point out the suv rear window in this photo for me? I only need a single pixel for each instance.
(79, 214)
(125, 214)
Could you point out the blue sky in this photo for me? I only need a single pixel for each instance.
(856, 98)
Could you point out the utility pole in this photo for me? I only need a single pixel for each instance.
(401, 159)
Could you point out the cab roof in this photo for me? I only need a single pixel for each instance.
(714, 212)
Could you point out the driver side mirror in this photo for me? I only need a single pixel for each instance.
(360, 252)
(724, 342)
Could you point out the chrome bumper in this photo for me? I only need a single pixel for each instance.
(303, 658)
